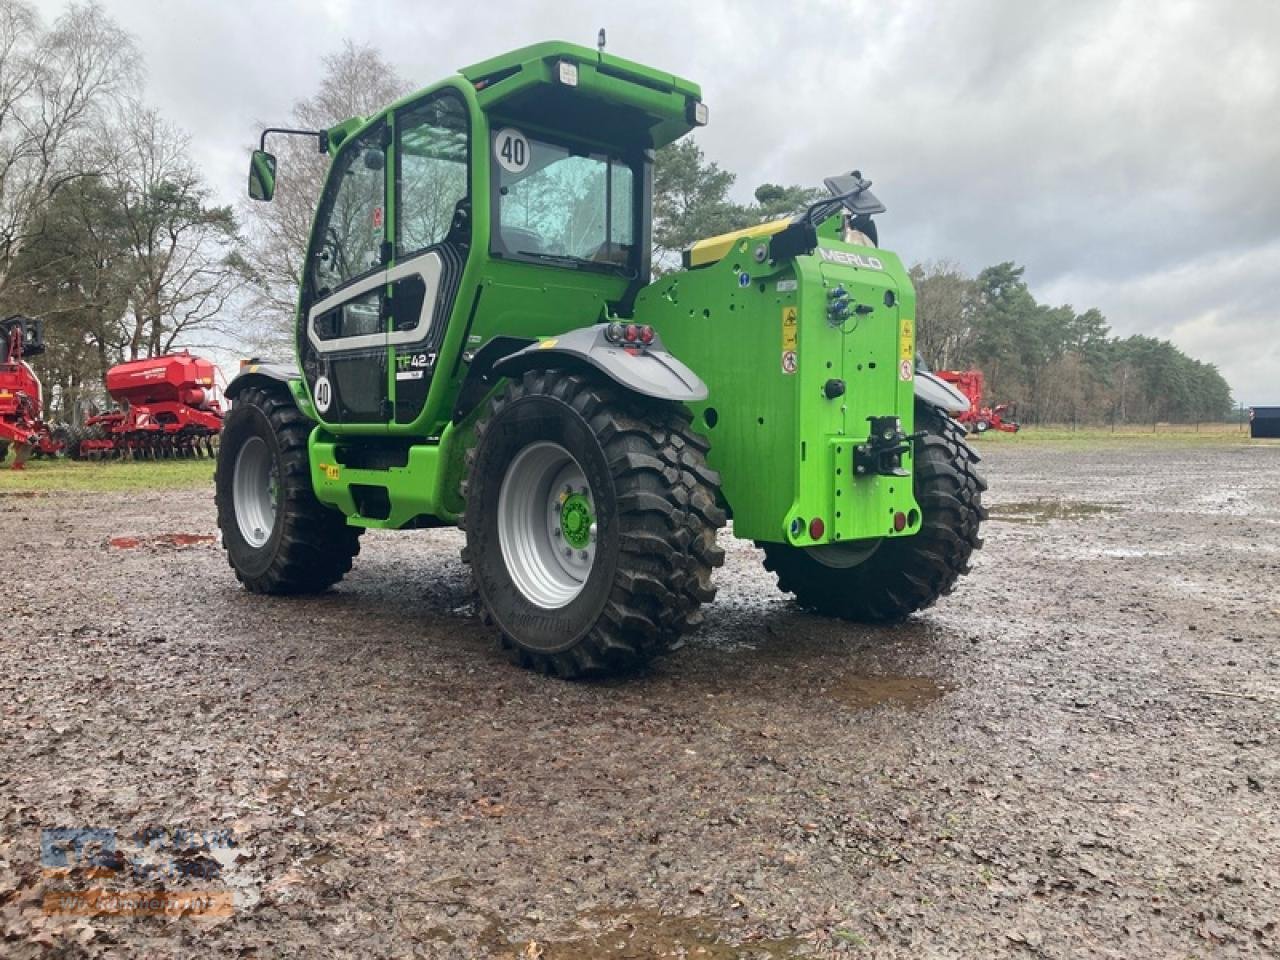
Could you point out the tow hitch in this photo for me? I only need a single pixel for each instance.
(882, 452)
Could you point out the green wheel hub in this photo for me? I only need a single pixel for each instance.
(576, 520)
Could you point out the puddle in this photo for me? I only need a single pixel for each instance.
(161, 540)
(1042, 511)
(614, 935)
(863, 693)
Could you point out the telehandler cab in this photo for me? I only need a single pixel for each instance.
(480, 342)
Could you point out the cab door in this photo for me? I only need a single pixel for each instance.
(431, 237)
(342, 339)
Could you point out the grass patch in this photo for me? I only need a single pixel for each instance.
(1163, 434)
(105, 476)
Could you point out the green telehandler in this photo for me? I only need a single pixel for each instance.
(480, 342)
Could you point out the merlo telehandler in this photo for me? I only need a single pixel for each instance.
(480, 341)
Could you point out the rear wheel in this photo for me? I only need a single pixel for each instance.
(279, 538)
(885, 580)
(591, 523)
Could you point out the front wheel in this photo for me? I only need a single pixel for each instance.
(591, 523)
(279, 538)
(886, 580)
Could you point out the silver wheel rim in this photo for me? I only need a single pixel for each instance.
(842, 556)
(254, 490)
(546, 525)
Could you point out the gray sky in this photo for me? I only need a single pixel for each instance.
(1126, 153)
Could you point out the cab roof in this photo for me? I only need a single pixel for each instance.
(615, 100)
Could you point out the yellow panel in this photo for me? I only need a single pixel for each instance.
(714, 248)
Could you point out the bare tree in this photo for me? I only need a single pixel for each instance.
(53, 85)
(357, 81)
(944, 312)
(184, 255)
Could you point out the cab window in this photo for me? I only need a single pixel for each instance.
(349, 229)
(555, 203)
(431, 176)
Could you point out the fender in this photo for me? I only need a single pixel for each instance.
(268, 376)
(649, 371)
(938, 393)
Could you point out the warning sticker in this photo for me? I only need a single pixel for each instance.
(789, 361)
(789, 329)
(905, 370)
(906, 341)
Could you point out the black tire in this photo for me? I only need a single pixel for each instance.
(4, 450)
(903, 574)
(58, 436)
(74, 436)
(982, 426)
(310, 547)
(655, 508)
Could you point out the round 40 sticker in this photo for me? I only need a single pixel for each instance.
(511, 150)
(324, 394)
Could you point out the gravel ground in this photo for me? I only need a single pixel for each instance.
(1077, 754)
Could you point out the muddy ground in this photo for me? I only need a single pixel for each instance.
(1077, 754)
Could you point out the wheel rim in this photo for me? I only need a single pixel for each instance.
(842, 556)
(256, 491)
(547, 525)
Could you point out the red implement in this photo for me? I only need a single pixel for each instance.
(979, 418)
(21, 396)
(168, 408)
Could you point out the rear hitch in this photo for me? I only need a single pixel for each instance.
(881, 453)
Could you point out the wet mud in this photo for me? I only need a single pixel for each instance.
(1075, 755)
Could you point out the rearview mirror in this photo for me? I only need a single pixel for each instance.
(262, 175)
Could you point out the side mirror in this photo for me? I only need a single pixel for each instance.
(262, 175)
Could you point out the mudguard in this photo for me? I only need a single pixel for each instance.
(649, 371)
(272, 374)
(253, 370)
(938, 393)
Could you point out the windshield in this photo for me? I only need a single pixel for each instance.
(563, 205)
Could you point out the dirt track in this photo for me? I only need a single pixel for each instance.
(1076, 755)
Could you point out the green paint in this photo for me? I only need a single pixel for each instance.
(783, 449)
(758, 332)
(576, 520)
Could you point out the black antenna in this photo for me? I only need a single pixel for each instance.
(600, 40)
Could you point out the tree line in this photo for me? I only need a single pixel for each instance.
(110, 233)
(1058, 365)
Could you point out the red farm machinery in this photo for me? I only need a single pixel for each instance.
(21, 396)
(168, 408)
(980, 418)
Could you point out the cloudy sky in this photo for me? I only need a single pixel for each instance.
(1127, 153)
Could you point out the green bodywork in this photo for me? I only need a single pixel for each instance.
(784, 449)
